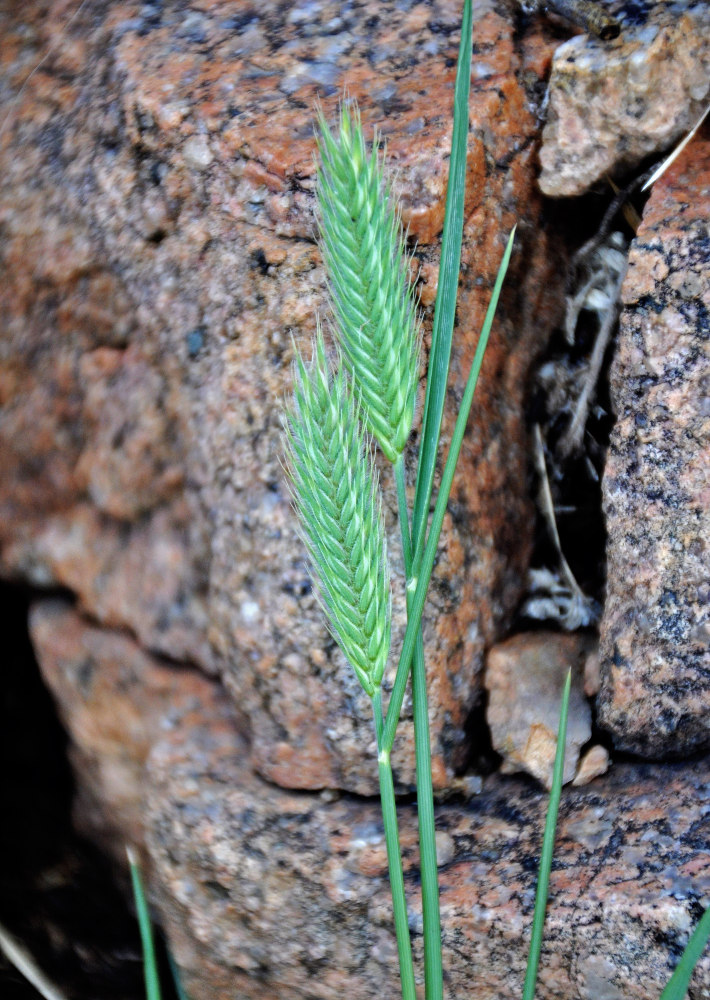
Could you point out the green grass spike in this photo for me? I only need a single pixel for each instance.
(336, 493)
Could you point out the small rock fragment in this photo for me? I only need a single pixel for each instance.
(445, 848)
(197, 153)
(592, 674)
(613, 104)
(593, 763)
(524, 677)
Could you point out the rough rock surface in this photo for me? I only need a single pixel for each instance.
(157, 250)
(655, 631)
(115, 701)
(611, 104)
(524, 678)
(271, 893)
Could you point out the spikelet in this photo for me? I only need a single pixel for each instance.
(336, 494)
(377, 326)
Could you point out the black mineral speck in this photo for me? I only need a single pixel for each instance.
(634, 12)
(258, 260)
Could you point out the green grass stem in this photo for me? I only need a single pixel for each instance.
(433, 964)
(420, 583)
(548, 846)
(677, 986)
(150, 966)
(177, 979)
(394, 858)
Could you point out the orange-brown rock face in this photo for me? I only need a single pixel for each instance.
(309, 914)
(655, 633)
(158, 256)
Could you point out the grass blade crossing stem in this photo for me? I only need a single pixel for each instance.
(431, 918)
(421, 582)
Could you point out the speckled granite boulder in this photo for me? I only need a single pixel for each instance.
(655, 632)
(269, 893)
(156, 205)
(614, 103)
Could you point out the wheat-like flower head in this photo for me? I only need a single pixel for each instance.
(336, 494)
(363, 245)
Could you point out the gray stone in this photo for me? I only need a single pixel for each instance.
(269, 892)
(612, 104)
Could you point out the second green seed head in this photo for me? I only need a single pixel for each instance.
(336, 493)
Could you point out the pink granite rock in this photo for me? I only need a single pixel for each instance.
(525, 677)
(115, 702)
(266, 892)
(270, 892)
(156, 201)
(611, 104)
(655, 631)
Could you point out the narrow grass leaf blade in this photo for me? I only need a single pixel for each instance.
(177, 981)
(659, 171)
(150, 966)
(433, 410)
(445, 307)
(678, 983)
(426, 564)
(26, 965)
(548, 845)
(394, 858)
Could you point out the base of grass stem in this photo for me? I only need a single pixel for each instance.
(394, 858)
(433, 964)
